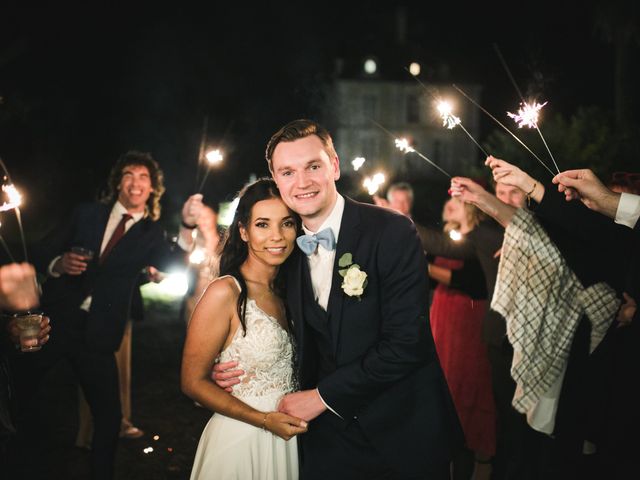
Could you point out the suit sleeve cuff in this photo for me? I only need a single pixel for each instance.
(50, 270)
(628, 210)
(326, 405)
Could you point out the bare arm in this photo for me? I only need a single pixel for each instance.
(471, 192)
(440, 274)
(212, 324)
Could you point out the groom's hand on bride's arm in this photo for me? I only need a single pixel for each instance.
(306, 404)
(225, 375)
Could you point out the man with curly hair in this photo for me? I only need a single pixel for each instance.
(87, 296)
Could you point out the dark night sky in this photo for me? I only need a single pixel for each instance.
(82, 85)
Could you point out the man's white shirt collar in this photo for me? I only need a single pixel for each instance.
(119, 210)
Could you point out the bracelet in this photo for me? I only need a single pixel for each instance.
(535, 184)
(187, 226)
(264, 422)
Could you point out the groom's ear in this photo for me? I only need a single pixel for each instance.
(336, 167)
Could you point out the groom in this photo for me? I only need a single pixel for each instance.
(369, 375)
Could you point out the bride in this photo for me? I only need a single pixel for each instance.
(241, 316)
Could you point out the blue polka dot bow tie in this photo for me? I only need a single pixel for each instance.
(309, 243)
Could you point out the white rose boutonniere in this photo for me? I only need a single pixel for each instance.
(355, 280)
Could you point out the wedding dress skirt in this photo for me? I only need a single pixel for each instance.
(233, 450)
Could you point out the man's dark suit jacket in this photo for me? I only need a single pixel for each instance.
(111, 284)
(387, 374)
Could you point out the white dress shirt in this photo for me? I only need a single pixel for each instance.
(321, 264)
(628, 210)
(321, 261)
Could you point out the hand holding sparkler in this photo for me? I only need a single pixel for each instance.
(470, 192)
(191, 211)
(380, 202)
(508, 174)
(18, 287)
(585, 186)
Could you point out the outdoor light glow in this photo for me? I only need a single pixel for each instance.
(214, 157)
(414, 69)
(156, 437)
(528, 114)
(370, 66)
(175, 284)
(197, 256)
(15, 199)
(455, 235)
(357, 163)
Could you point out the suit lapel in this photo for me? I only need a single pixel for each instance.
(347, 242)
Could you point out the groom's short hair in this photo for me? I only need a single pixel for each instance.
(296, 130)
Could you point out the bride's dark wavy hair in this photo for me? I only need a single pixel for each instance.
(235, 250)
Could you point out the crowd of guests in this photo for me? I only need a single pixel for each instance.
(533, 315)
(494, 295)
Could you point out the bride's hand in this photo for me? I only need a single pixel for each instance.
(283, 425)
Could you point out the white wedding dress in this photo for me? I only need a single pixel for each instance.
(231, 449)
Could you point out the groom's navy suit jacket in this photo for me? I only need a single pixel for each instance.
(386, 374)
(111, 284)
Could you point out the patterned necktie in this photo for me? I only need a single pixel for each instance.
(309, 243)
(117, 235)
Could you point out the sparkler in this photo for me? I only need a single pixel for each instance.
(6, 248)
(449, 120)
(372, 184)
(15, 199)
(505, 128)
(357, 163)
(446, 112)
(403, 145)
(214, 157)
(528, 113)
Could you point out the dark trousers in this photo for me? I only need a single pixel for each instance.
(523, 453)
(331, 451)
(98, 377)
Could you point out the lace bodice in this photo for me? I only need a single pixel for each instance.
(265, 353)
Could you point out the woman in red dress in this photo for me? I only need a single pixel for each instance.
(456, 323)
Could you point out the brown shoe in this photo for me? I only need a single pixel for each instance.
(131, 432)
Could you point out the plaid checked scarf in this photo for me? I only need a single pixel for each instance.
(542, 301)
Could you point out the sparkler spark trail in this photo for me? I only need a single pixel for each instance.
(505, 128)
(214, 157)
(449, 120)
(14, 198)
(405, 145)
(528, 114)
(357, 163)
(402, 144)
(524, 103)
(445, 110)
(16, 209)
(372, 184)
